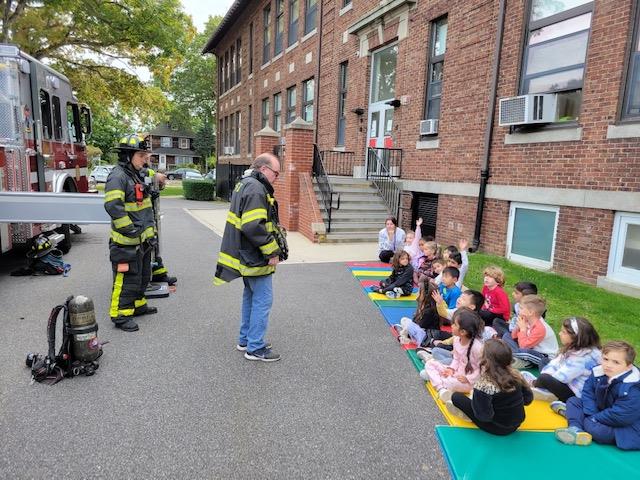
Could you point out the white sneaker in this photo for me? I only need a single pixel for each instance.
(529, 377)
(445, 395)
(455, 411)
(391, 294)
(424, 375)
(519, 364)
(424, 356)
(543, 394)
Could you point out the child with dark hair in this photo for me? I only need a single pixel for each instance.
(520, 289)
(463, 371)
(400, 282)
(564, 376)
(449, 290)
(390, 239)
(425, 325)
(496, 301)
(424, 262)
(609, 410)
(499, 394)
(438, 265)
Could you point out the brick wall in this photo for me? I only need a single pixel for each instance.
(309, 210)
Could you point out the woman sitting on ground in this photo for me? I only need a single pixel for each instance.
(390, 239)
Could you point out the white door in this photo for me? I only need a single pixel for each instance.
(624, 258)
(383, 90)
(162, 162)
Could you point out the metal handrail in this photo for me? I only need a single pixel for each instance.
(379, 171)
(324, 185)
(339, 163)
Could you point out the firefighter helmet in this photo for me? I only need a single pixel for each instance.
(133, 143)
(40, 247)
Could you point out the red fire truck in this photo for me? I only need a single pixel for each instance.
(42, 139)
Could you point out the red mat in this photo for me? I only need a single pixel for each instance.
(405, 346)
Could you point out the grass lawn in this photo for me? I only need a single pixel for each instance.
(615, 316)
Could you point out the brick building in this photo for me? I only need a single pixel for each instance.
(422, 83)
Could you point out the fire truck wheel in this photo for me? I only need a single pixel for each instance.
(65, 245)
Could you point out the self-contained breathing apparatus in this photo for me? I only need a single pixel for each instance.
(80, 347)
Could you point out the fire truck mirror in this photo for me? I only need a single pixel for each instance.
(85, 120)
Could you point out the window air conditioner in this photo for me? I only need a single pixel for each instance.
(228, 150)
(528, 109)
(429, 126)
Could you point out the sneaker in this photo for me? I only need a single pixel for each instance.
(243, 348)
(519, 363)
(399, 292)
(424, 355)
(455, 411)
(391, 294)
(529, 377)
(264, 355)
(543, 394)
(424, 375)
(398, 328)
(573, 436)
(559, 407)
(445, 395)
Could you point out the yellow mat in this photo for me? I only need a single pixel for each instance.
(538, 415)
(382, 296)
(370, 273)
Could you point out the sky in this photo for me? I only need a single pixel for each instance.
(200, 10)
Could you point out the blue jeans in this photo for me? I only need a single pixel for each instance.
(528, 354)
(257, 299)
(575, 416)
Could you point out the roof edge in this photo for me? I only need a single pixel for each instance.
(227, 22)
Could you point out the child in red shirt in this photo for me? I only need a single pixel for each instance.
(496, 300)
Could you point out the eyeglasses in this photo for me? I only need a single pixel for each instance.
(276, 173)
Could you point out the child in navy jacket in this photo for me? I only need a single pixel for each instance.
(400, 282)
(609, 410)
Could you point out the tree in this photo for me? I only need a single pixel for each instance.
(204, 141)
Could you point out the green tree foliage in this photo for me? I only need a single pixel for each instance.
(204, 140)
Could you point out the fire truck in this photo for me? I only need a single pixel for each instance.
(42, 141)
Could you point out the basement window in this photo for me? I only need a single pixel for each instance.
(531, 236)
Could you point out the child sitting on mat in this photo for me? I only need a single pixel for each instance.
(564, 376)
(438, 265)
(425, 325)
(609, 410)
(496, 301)
(533, 340)
(463, 371)
(499, 395)
(448, 288)
(400, 282)
(412, 241)
(520, 289)
(424, 269)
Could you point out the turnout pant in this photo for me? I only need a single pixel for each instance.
(127, 295)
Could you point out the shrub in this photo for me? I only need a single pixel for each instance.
(203, 190)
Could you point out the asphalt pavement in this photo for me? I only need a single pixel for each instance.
(176, 400)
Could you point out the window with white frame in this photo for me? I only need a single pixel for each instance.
(556, 50)
(531, 235)
(436, 68)
(624, 257)
(165, 142)
(307, 100)
(310, 13)
(184, 143)
(291, 104)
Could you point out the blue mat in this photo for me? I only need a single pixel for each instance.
(393, 314)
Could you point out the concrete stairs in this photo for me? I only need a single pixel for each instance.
(362, 211)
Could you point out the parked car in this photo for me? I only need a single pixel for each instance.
(211, 175)
(100, 173)
(189, 175)
(179, 173)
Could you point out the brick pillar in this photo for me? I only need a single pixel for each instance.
(265, 140)
(406, 210)
(298, 160)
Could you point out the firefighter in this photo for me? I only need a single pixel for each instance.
(133, 233)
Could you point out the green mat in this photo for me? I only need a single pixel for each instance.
(476, 455)
(415, 359)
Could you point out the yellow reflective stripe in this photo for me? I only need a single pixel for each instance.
(234, 264)
(160, 270)
(233, 219)
(270, 199)
(113, 195)
(127, 312)
(269, 248)
(124, 240)
(140, 303)
(229, 261)
(122, 222)
(218, 281)
(115, 296)
(255, 214)
(270, 227)
(148, 233)
(134, 207)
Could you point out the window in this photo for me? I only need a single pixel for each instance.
(279, 26)
(624, 258)
(265, 113)
(57, 118)
(556, 50)
(232, 133)
(531, 236)
(266, 35)
(383, 78)
(184, 143)
(310, 9)
(342, 100)
(291, 104)
(307, 100)
(238, 60)
(277, 112)
(250, 130)
(631, 106)
(225, 73)
(250, 48)
(166, 142)
(435, 67)
(73, 123)
(236, 138)
(345, 3)
(294, 14)
(232, 72)
(45, 113)
(220, 61)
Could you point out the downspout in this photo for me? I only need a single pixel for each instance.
(317, 89)
(488, 134)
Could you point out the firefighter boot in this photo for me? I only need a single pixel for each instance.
(146, 311)
(126, 323)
